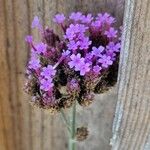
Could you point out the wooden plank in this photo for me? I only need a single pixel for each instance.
(21, 27)
(6, 97)
(3, 143)
(132, 121)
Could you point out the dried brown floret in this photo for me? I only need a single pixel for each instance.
(82, 133)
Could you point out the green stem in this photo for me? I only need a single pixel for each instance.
(72, 144)
(64, 118)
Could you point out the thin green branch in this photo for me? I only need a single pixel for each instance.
(64, 118)
(72, 144)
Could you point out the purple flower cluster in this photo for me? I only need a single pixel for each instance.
(47, 75)
(88, 50)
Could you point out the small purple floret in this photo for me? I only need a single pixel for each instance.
(97, 51)
(40, 48)
(76, 16)
(84, 43)
(97, 69)
(114, 47)
(84, 68)
(87, 19)
(34, 63)
(46, 84)
(76, 60)
(29, 39)
(105, 61)
(111, 33)
(36, 23)
(59, 18)
(48, 72)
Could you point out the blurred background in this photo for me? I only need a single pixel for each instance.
(23, 127)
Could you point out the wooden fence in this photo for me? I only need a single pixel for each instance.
(132, 121)
(25, 128)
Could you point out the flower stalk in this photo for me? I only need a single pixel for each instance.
(72, 141)
(64, 118)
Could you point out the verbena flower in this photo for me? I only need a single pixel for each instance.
(76, 31)
(73, 45)
(87, 18)
(114, 47)
(29, 39)
(76, 61)
(59, 18)
(83, 68)
(97, 51)
(96, 26)
(84, 43)
(62, 69)
(76, 16)
(105, 61)
(46, 84)
(40, 48)
(97, 69)
(106, 18)
(48, 72)
(36, 23)
(34, 63)
(111, 33)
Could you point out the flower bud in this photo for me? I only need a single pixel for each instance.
(86, 99)
(82, 133)
(66, 102)
(31, 87)
(73, 87)
(50, 37)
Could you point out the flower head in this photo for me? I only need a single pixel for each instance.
(66, 53)
(76, 16)
(29, 39)
(114, 47)
(36, 23)
(111, 33)
(97, 51)
(97, 69)
(75, 31)
(59, 18)
(63, 69)
(46, 84)
(96, 25)
(105, 61)
(88, 58)
(48, 72)
(84, 68)
(84, 43)
(73, 86)
(73, 45)
(87, 19)
(76, 61)
(40, 48)
(34, 63)
(106, 18)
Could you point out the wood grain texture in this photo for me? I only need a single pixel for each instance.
(21, 126)
(132, 122)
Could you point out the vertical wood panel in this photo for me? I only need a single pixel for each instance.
(3, 136)
(7, 124)
(134, 79)
(21, 126)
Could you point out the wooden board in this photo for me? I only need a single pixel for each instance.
(132, 121)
